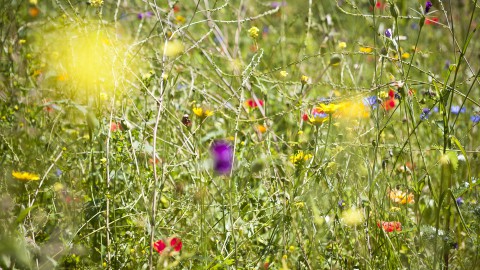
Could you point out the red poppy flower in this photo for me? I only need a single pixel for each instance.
(390, 226)
(176, 243)
(391, 93)
(389, 104)
(252, 104)
(159, 246)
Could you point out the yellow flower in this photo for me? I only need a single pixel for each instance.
(383, 94)
(300, 156)
(307, 157)
(253, 32)
(342, 45)
(405, 55)
(328, 108)
(304, 79)
(398, 196)
(352, 217)
(96, 3)
(283, 74)
(180, 19)
(25, 176)
(200, 112)
(366, 49)
(297, 157)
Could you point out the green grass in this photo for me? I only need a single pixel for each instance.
(301, 195)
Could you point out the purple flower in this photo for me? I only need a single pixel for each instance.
(144, 15)
(428, 5)
(388, 33)
(222, 153)
(459, 201)
(457, 110)
(475, 118)
(447, 64)
(58, 172)
(424, 114)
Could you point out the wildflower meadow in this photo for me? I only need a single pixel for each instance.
(239, 134)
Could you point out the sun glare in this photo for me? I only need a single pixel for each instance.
(89, 60)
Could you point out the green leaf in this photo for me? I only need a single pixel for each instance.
(452, 156)
(23, 214)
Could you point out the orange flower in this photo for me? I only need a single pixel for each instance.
(401, 197)
(33, 11)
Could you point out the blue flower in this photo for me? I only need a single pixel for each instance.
(475, 118)
(456, 109)
(370, 101)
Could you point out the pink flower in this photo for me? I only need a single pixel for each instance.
(115, 127)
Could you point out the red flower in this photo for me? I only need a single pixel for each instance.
(175, 243)
(252, 104)
(378, 5)
(305, 117)
(433, 20)
(176, 8)
(159, 246)
(391, 93)
(390, 226)
(389, 104)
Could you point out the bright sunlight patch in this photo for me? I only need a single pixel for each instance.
(89, 60)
